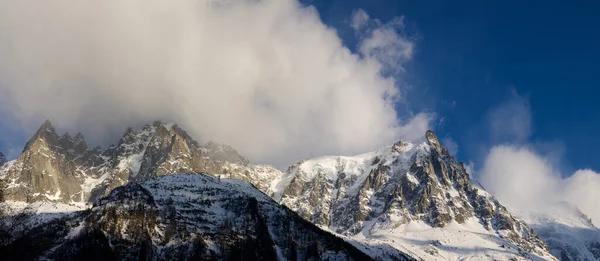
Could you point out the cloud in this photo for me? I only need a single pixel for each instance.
(522, 179)
(526, 175)
(383, 41)
(519, 177)
(470, 168)
(583, 188)
(359, 19)
(267, 77)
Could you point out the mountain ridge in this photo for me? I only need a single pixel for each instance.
(409, 197)
(63, 168)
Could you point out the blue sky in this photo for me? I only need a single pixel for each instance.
(475, 56)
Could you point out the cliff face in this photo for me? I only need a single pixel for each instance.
(50, 168)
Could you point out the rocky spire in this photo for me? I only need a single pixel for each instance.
(431, 137)
(2, 159)
(54, 167)
(45, 133)
(434, 142)
(47, 126)
(46, 168)
(79, 143)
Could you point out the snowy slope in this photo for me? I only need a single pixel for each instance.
(568, 232)
(19, 217)
(467, 241)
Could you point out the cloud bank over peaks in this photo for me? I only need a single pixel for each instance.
(267, 77)
(525, 175)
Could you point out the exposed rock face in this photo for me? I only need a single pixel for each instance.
(183, 217)
(64, 169)
(50, 168)
(383, 190)
(161, 149)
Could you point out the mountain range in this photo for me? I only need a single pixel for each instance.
(159, 194)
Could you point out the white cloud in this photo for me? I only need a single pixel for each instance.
(525, 175)
(518, 177)
(470, 168)
(383, 41)
(267, 77)
(359, 19)
(524, 180)
(583, 188)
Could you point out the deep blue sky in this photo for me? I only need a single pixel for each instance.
(471, 54)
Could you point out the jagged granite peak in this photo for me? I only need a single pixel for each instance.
(399, 186)
(64, 169)
(73, 145)
(163, 149)
(79, 142)
(183, 217)
(431, 137)
(46, 134)
(47, 127)
(46, 170)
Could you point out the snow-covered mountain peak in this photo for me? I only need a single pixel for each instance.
(407, 183)
(387, 156)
